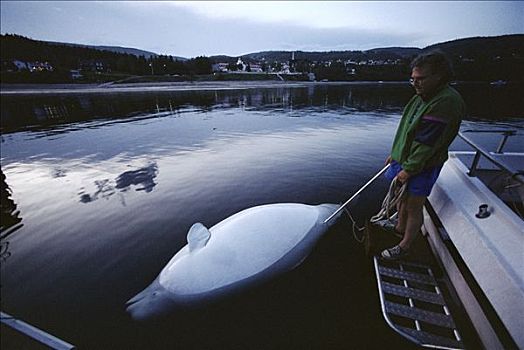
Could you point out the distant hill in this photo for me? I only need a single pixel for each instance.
(469, 47)
(282, 56)
(483, 46)
(474, 59)
(26, 60)
(127, 50)
(394, 52)
(120, 49)
(117, 49)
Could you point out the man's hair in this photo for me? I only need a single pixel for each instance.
(438, 62)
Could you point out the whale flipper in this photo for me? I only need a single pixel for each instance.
(197, 237)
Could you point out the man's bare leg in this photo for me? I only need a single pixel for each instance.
(401, 215)
(411, 208)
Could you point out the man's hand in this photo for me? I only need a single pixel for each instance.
(403, 176)
(388, 160)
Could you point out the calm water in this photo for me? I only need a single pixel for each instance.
(101, 190)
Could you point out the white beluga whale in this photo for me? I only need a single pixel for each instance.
(243, 250)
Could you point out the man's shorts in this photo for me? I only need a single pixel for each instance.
(419, 184)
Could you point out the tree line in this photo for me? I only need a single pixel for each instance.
(474, 59)
(63, 58)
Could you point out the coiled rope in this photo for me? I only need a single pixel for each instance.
(396, 192)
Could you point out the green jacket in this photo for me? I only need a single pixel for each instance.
(426, 130)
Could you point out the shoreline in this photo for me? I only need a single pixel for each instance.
(23, 89)
(42, 89)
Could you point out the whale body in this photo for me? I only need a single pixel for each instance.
(245, 249)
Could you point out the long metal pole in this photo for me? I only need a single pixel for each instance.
(357, 193)
(37, 334)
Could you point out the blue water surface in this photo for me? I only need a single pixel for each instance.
(106, 186)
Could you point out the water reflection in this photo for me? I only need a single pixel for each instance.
(104, 190)
(145, 177)
(95, 237)
(10, 219)
(43, 112)
(57, 173)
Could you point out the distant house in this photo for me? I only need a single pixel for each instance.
(20, 65)
(97, 66)
(75, 74)
(241, 65)
(39, 66)
(256, 68)
(376, 63)
(220, 67)
(285, 69)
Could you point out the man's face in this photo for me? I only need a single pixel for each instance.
(424, 81)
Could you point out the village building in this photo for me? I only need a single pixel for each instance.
(255, 68)
(39, 66)
(220, 67)
(75, 74)
(20, 65)
(241, 65)
(98, 66)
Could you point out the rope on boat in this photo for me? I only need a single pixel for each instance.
(354, 227)
(396, 192)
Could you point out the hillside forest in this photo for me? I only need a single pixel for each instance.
(24, 60)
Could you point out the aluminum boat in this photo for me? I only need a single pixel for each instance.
(474, 231)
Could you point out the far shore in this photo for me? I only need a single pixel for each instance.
(113, 87)
(26, 89)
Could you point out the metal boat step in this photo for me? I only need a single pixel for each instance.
(414, 306)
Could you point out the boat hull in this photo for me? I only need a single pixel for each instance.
(482, 256)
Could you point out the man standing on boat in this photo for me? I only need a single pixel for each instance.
(429, 123)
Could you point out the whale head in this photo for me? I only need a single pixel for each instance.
(151, 303)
